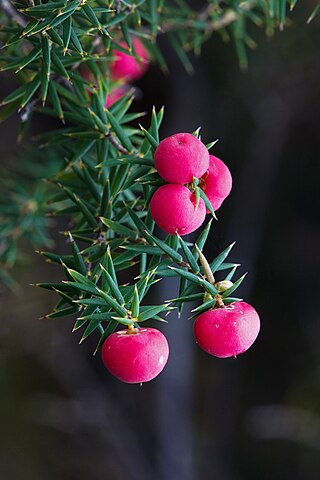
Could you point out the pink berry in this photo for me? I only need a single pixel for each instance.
(173, 208)
(135, 357)
(114, 96)
(216, 182)
(181, 157)
(227, 331)
(126, 67)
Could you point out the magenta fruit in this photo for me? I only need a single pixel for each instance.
(137, 356)
(126, 67)
(216, 182)
(227, 331)
(181, 157)
(173, 208)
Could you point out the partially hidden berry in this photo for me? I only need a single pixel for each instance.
(227, 331)
(216, 182)
(181, 157)
(127, 67)
(173, 208)
(115, 95)
(135, 357)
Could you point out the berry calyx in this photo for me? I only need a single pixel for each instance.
(227, 331)
(180, 158)
(126, 67)
(135, 356)
(216, 182)
(173, 208)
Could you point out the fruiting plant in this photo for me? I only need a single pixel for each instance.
(114, 180)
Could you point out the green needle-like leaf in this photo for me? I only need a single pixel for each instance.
(113, 286)
(229, 300)
(148, 312)
(64, 312)
(189, 256)
(188, 275)
(210, 304)
(93, 325)
(201, 240)
(97, 302)
(220, 258)
(29, 92)
(78, 260)
(81, 287)
(143, 229)
(59, 65)
(55, 100)
(21, 63)
(165, 248)
(187, 298)
(152, 141)
(234, 286)
(98, 317)
(113, 304)
(135, 304)
(314, 13)
(206, 202)
(119, 131)
(66, 32)
(119, 228)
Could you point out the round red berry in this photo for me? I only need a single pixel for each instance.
(181, 157)
(126, 67)
(136, 357)
(216, 182)
(173, 208)
(227, 331)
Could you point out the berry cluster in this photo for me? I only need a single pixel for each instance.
(184, 162)
(226, 326)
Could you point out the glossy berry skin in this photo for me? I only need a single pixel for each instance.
(227, 331)
(126, 67)
(135, 357)
(173, 208)
(181, 157)
(216, 182)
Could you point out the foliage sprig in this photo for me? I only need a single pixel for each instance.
(59, 54)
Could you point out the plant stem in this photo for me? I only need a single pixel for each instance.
(219, 301)
(212, 25)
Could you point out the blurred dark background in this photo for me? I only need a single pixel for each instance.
(62, 416)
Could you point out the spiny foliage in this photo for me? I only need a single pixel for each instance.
(59, 54)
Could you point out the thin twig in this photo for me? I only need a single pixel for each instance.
(11, 12)
(212, 25)
(117, 145)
